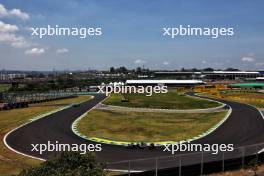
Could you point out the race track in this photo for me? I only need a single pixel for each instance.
(244, 126)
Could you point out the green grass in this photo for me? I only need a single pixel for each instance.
(146, 127)
(10, 162)
(4, 87)
(170, 100)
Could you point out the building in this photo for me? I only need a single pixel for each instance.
(11, 76)
(210, 75)
(260, 79)
(231, 75)
(176, 83)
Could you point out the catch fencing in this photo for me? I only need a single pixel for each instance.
(11, 100)
(198, 163)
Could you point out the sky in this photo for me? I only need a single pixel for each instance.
(132, 34)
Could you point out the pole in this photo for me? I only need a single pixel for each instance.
(257, 154)
(129, 168)
(156, 167)
(179, 165)
(202, 163)
(243, 154)
(223, 161)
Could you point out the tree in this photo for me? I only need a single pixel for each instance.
(208, 69)
(112, 70)
(253, 165)
(123, 69)
(139, 70)
(183, 69)
(70, 164)
(231, 69)
(195, 70)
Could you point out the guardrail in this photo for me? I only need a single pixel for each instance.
(198, 163)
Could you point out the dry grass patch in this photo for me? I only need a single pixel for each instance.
(146, 126)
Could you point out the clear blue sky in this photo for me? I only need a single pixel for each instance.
(132, 34)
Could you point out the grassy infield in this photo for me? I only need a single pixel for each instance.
(10, 162)
(4, 87)
(170, 100)
(150, 127)
(142, 126)
(147, 127)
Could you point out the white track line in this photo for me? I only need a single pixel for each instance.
(43, 115)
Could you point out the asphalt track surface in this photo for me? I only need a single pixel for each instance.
(244, 126)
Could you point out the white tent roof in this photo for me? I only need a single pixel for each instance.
(235, 72)
(143, 81)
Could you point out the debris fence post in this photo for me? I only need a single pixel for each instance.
(129, 167)
(180, 165)
(223, 161)
(156, 167)
(257, 154)
(243, 156)
(202, 163)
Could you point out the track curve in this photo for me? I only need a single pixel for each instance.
(244, 126)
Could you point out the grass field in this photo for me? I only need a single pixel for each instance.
(4, 87)
(10, 162)
(252, 98)
(255, 99)
(65, 101)
(170, 100)
(146, 127)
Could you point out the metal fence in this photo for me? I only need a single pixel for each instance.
(33, 96)
(198, 163)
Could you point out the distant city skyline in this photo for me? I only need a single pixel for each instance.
(132, 34)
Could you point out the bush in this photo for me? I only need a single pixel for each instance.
(68, 164)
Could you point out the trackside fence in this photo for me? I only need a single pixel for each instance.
(9, 100)
(198, 163)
